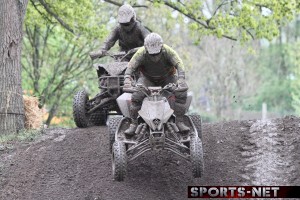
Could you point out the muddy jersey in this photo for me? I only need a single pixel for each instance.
(166, 66)
(127, 39)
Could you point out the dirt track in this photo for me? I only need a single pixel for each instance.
(75, 163)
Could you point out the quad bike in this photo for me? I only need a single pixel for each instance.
(156, 130)
(95, 111)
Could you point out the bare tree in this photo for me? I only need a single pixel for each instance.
(12, 14)
(226, 76)
(68, 62)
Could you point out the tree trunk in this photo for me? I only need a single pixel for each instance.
(12, 14)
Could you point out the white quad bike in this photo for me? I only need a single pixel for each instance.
(156, 130)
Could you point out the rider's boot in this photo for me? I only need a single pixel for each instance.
(180, 124)
(132, 127)
(179, 111)
(133, 114)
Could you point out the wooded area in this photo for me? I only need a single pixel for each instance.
(238, 54)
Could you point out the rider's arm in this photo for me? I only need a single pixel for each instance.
(135, 61)
(111, 40)
(175, 60)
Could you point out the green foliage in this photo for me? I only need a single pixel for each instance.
(275, 69)
(296, 78)
(55, 60)
(55, 67)
(238, 20)
(224, 69)
(77, 15)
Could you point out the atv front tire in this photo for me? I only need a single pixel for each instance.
(112, 127)
(119, 161)
(197, 121)
(79, 109)
(98, 118)
(196, 152)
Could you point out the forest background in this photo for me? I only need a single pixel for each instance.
(237, 54)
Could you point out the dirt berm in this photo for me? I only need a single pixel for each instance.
(71, 164)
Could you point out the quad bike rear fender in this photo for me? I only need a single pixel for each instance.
(113, 69)
(124, 102)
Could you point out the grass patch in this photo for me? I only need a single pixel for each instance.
(23, 135)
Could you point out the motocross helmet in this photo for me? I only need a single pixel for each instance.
(126, 17)
(153, 44)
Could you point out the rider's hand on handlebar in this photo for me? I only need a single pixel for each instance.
(127, 82)
(181, 83)
(97, 54)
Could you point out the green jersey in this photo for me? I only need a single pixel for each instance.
(166, 66)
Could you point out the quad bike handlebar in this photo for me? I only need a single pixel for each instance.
(171, 87)
(140, 87)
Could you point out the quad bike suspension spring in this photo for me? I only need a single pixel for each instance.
(141, 131)
(171, 128)
(138, 129)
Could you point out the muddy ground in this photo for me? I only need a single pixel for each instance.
(71, 164)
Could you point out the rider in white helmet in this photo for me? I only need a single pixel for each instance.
(129, 32)
(158, 64)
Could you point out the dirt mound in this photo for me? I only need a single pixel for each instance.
(271, 152)
(76, 163)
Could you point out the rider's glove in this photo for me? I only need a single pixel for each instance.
(97, 54)
(181, 83)
(127, 81)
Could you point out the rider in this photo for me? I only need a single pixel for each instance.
(129, 32)
(157, 63)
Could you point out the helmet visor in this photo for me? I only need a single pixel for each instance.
(128, 23)
(154, 48)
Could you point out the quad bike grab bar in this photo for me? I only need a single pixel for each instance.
(130, 90)
(121, 54)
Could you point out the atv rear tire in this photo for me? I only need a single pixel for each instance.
(98, 118)
(196, 152)
(119, 161)
(79, 109)
(197, 121)
(113, 124)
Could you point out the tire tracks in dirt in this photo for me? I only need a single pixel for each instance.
(270, 152)
(76, 164)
